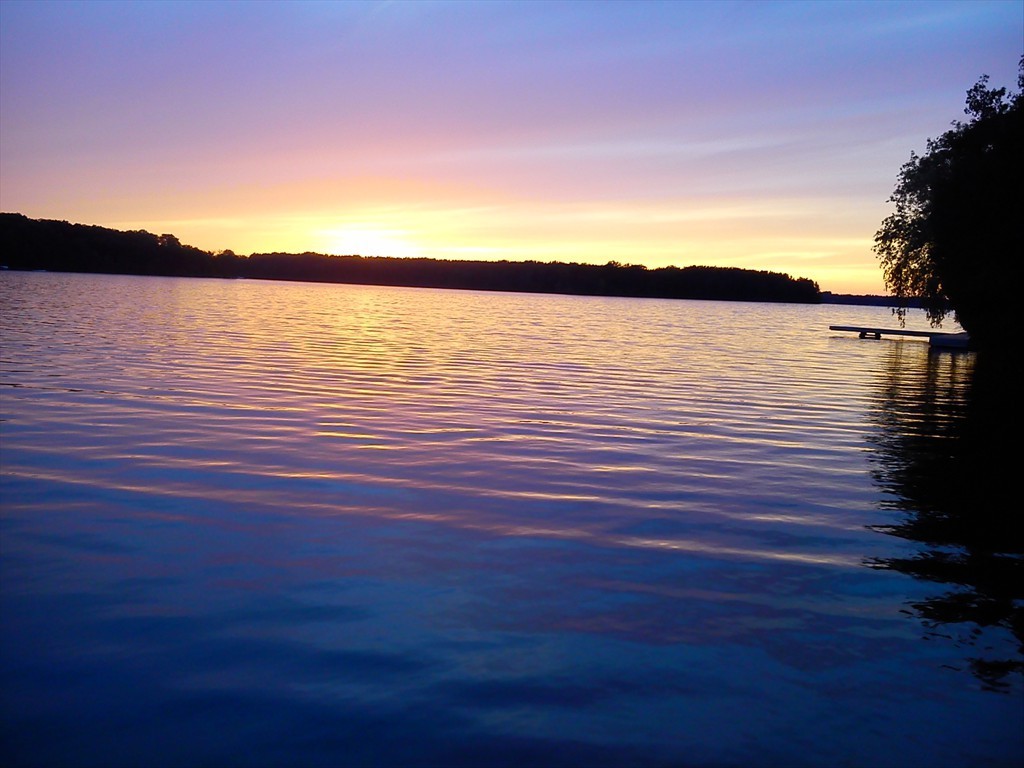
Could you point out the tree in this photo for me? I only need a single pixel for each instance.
(955, 238)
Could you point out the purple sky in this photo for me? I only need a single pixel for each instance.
(765, 135)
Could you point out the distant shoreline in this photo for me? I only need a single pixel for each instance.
(870, 300)
(60, 246)
(827, 297)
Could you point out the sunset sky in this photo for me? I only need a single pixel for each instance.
(764, 135)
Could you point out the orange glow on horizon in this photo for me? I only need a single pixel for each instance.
(722, 232)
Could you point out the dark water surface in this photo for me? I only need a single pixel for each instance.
(281, 524)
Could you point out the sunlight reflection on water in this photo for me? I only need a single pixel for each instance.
(290, 521)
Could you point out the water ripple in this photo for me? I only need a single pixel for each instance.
(276, 514)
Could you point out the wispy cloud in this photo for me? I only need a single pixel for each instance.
(736, 133)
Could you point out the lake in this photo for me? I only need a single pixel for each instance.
(251, 523)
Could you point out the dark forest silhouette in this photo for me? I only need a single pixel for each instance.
(60, 246)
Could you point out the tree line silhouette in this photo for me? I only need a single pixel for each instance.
(42, 244)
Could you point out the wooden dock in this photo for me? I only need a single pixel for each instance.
(935, 338)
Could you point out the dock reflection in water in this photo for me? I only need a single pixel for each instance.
(944, 453)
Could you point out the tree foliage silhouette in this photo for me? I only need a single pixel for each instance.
(955, 236)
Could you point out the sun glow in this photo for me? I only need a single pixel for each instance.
(368, 241)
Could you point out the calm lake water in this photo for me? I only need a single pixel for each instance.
(283, 524)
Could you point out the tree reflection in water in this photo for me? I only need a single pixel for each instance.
(944, 451)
